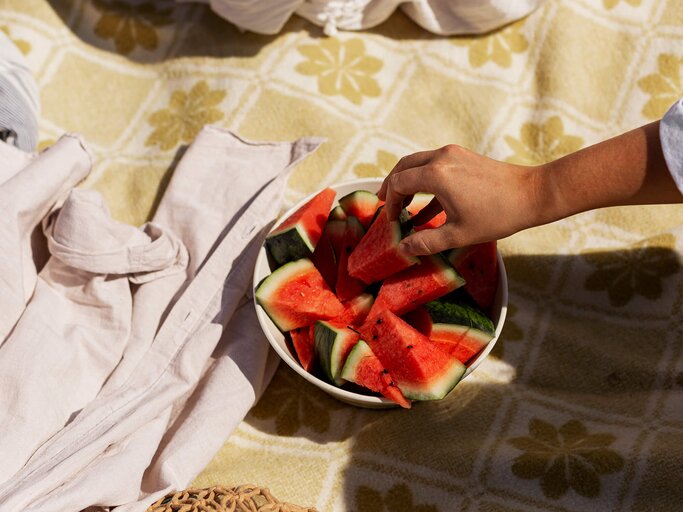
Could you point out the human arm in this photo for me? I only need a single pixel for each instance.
(485, 199)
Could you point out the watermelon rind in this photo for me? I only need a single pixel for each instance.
(361, 204)
(444, 312)
(454, 329)
(437, 387)
(358, 352)
(289, 245)
(280, 277)
(337, 213)
(332, 345)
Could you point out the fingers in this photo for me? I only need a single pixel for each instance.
(407, 162)
(432, 209)
(402, 186)
(429, 241)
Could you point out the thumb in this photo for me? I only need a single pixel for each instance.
(429, 241)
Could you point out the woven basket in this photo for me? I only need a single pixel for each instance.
(245, 498)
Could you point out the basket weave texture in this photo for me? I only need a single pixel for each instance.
(244, 498)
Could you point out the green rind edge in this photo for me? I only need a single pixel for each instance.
(289, 245)
(443, 312)
(275, 281)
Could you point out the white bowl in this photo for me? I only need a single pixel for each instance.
(277, 339)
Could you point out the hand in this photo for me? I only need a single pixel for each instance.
(484, 199)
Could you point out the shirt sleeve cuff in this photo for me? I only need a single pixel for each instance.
(671, 136)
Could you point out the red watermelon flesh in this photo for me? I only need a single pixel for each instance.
(296, 295)
(302, 340)
(478, 265)
(417, 204)
(363, 368)
(299, 234)
(420, 320)
(420, 369)
(349, 287)
(419, 284)
(360, 204)
(325, 255)
(378, 256)
(355, 310)
(313, 215)
(459, 341)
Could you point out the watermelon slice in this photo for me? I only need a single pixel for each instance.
(418, 203)
(303, 346)
(296, 295)
(355, 310)
(363, 368)
(445, 312)
(333, 345)
(420, 320)
(378, 256)
(459, 341)
(337, 213)
(325, 255)
(478, 265)
(360, 204)
(298, 235)
(349, 287)
(416, 285)
(420, 369)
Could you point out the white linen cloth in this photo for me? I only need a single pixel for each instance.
(671, 136)
(19, 103)
(132, 354)
(444, 17)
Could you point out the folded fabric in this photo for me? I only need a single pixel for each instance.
(671, 135)
(159, 373)
(444, 17)
(19, 104)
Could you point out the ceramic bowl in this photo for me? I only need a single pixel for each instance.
(277, 339)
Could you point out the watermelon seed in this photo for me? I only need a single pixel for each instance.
(349, 249)
(385, 371)
(374, 337)
(409, 346)
(379, 320)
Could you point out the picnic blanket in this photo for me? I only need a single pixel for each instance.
(580, 405)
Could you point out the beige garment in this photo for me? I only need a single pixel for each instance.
(185, 380)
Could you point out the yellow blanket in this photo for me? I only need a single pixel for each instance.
(580, 406)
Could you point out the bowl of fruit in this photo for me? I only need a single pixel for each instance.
(350, 313)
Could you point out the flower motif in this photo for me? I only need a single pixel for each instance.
(638, 271)
(511, 332)
(540, 143)
(397, 499)
(385, 163)
(342, 68)
(186, 114)
(130, 25)
(564, 458)
(293, 406)
(24, 46)
(496, 47)
(611, 4)
(664, 87)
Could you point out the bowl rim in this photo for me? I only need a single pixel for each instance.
(339, 393)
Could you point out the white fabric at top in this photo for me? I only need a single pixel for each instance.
(671, 135)
(119, 394)
(445, 17)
